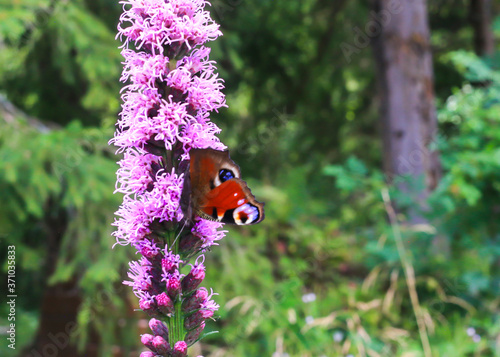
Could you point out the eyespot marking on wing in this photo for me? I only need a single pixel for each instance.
(223, 176)
(246, 214)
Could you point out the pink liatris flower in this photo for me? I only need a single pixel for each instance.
(171, 89)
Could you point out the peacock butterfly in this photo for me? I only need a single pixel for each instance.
(214, 190)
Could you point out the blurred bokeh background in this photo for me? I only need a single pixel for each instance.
(325, 110)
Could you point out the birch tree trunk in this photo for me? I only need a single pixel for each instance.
(408, 114)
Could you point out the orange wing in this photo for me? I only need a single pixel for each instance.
(232, 202)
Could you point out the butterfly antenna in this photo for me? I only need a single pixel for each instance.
(178, 235)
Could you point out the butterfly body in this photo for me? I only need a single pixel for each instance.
(216, 191)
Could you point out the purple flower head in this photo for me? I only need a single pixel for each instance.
(149, 250)
(150, 266)
(148, 304)
(208, 232)
(170, 262)
(198, 61)
(195, 276)
(137, 172)
(143, 69)
(165, 196)
(171, 26)
(141, 279)
(170, 89)
(189, 87)
(132, 226)
(173, 284)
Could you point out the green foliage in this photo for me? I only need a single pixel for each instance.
(350, 260)
(468, 194)
(60, 61)
(286, 75)
(56, 185)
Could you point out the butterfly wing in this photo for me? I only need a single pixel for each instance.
(232, 202)
(204, 168)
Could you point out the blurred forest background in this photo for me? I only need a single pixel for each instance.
(326, 112)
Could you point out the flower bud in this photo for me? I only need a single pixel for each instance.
(170, 263)
(173, 286)
(193, 279)
(149, 251)
(195, 319)
(161, 345)
(180, 349)
(165, 304)
(158, 328)
(194, 301)
(193, 336)
(149, 307)
(147, 340)
(147, 354)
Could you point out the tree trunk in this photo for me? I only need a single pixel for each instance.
(408, 113)
(60, 302)
(480, 19)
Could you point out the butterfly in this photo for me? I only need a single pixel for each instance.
(214, 190)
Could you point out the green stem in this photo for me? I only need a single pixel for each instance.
(167, 161)
(176, 322)
(172, 64)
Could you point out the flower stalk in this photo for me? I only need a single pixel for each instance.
(171, 89)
